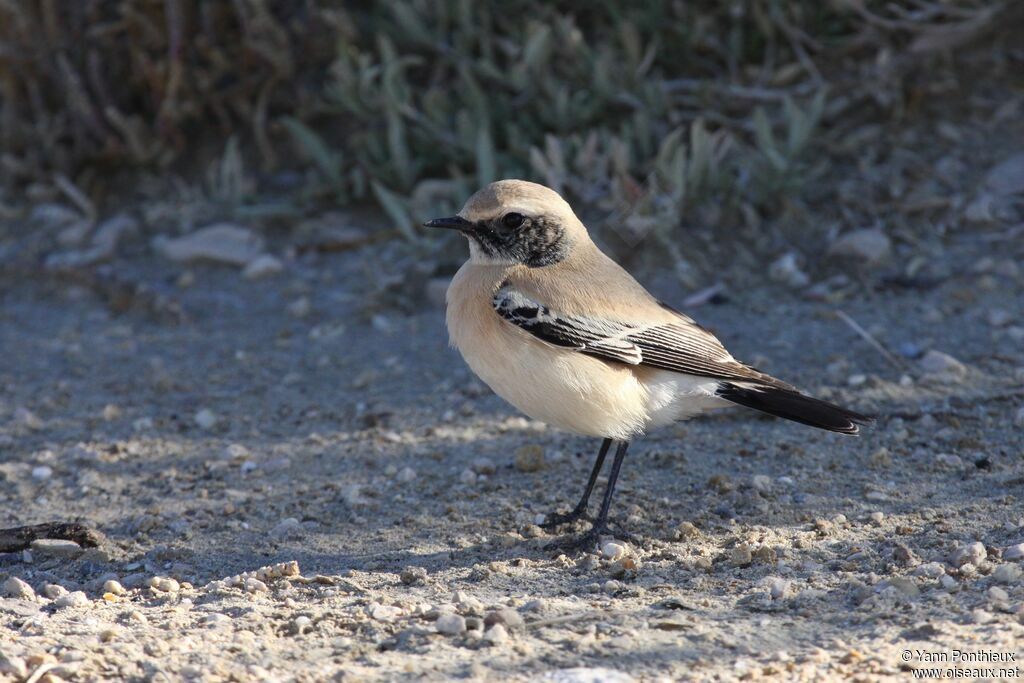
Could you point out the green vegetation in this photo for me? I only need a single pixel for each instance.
(704, 112)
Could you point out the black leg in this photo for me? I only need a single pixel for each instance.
(600, 527)
(580, 511)
(601, 523)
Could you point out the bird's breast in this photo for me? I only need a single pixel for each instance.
(561, 387)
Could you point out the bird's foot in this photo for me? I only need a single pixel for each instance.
(557, 519)
(591, 539)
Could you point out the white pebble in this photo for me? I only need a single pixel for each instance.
(286, 528)
(496, 634)
(54, 591)
(302, 623)
(164, 583)
(114, 587)
(612, 550)
(206, 419)
(973, 553)
(451, 624)
(42, 472)
(997, 594)
(467, 477)
(75, 599)
(1014, 552)
(255, 586)
(777, 587)
(16, 588)
(1007, 573)
(483, 466)
(406, 475)
(941, 364)
(263, 265)
(931, 570)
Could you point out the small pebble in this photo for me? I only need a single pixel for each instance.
(205, 419)
(611, 550)
(42, 472)
(164, 584)
(483, 466)
(1007, 573)
(467, 477)
(289, 527)
(687, 531)
(931, 570)
(301, 624)
(942, 365)
(529, 458)
(263, 265)
(740, 556)
(1014, 552)
(451, 624)
(412, 576)
(301, 307)
(114, 587)
(54, 591)
(973, 553)
(905, 586)
(496, 635)
(253, 585)
(406, 475)
(56, 547)
(777, 587)
(506, 616)
(16, 588)
(74, 599)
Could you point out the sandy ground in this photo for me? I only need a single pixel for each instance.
(305, 418)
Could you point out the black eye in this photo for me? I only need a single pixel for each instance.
(512, 220)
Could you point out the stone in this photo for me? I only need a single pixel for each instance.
(973, 553)
(611, 550)
(451, 624)
(1014, 552)
(529, 458)
(586, 675)
(1007, 573)
(56, 547)
(16, 588)
(740, 556)
(220, 243)
(942, 364)
(262, 266)
(206, 419)
(870, 245)
(1007, 177)
(114, 587)
(905, 586)
(72, 600)
(412, 576)
(507, 617)
(496, 635)
(786, 270)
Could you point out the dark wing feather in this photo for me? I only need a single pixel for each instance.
(681, 346)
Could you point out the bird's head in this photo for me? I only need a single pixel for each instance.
(513, 222)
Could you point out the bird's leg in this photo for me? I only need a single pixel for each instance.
(580, 511)
(600, 527)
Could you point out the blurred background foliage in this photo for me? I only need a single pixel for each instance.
(657, 114)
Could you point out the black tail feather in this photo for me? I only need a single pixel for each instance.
(794, 406)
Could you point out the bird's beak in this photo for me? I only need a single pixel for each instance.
(453, 223)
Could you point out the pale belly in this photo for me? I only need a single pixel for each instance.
(581, 394)
(562, 387)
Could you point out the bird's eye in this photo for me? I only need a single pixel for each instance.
(512, 220)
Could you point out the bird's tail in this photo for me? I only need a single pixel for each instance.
(792, 405)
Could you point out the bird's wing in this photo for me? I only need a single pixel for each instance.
(679, 345)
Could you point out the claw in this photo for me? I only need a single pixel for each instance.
(556, 519)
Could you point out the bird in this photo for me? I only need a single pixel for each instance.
(558, 329)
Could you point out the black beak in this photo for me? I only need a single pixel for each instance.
(453, 223)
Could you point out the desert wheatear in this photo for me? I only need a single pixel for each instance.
(563, 333)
